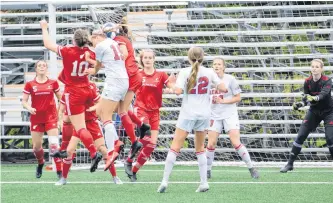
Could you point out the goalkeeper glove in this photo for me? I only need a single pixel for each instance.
(297, 105)
(310, 98)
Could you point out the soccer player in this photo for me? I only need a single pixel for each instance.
(224, 115)
(195, 82)
(93, 127)
(43, 114)
(115, 86)
(77, 90)
(120, 35)
(147, 104)
(317, 90)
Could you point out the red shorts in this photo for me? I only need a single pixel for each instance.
(135, 82)
(94, 128)
(150, 117)
(75, 99)
(43, 127)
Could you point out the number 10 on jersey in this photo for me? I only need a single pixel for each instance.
(79, 71)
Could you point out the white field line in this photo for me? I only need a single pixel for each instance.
(109, 182)
(192, 170)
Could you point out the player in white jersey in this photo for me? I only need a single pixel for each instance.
(224, 115)
(116, 85)
(195, 82)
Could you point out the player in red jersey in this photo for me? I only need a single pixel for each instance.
(43, 113)
(76, 91)
(147, 104)
(135, 82)
(94, 128)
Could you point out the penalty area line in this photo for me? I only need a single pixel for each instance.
(108, 182)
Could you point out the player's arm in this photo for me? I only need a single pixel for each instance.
(325, 91)
(123, 50)
(48, 43)
(306, 90)
(219, 85)
(236, 90)
(178, 87)
(96, 63)
(26, 104)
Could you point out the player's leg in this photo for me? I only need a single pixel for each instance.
(213, 134)
(200, 128)
(328, 121)
(37, 141)
(67, 162)
(183, 127)
(231, 126)
(75, 100)
(127, 122)
(310, 122)
(54, 145)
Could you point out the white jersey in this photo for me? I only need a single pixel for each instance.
(108, 53)
(196, 104)
(223, 111)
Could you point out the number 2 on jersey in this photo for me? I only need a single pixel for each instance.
(79, 71)
(202, 86)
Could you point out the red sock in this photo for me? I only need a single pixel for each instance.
(66, 166)
(145, 140)
(128, 125)
(113, 170)
(143, 157)
(135, 119)
(88, 141)
(57, 161)
(67, 131)
(39, 154)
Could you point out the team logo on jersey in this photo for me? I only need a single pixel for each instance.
(34, 127)
(49, 87)
(34, 88)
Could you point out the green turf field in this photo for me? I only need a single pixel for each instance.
(229, 184)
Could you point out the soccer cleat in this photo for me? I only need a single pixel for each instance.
(59, 174)
(162, 188)
(59, 154)
(144, 130)
(209, 174)
(95, 161)
(254, 173)
(128, 168)
(117, 180)
(62, 181)
(287, 168)
(112, 156)
(135, 148)
(133, 177)
(203, 188)
(39, 170)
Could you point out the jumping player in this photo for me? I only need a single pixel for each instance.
(317, 90)
(196, 82)
(224, 115)
(147, 104)
(76, 92)
(43, 114)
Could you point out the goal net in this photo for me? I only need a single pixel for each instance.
(267, 46)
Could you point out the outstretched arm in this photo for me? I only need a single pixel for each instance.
(48, 43)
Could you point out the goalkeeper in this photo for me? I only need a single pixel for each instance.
(317, 92)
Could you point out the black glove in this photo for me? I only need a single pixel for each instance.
(297, 105)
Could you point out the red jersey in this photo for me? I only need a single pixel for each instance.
(42, 99)
(130, 63)
(91, 102)
(149, 96)
(74, 64)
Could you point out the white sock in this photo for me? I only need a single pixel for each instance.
(202, 162)
(169, 162)
(210, 157)
(244, 154)
(110, 135)
(53, 146)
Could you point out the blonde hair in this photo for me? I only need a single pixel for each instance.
(319, 61)
(142, 52)
(196, 56)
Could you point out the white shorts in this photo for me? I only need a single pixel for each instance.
(189, 125)
(231, 123)
(115, 89)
